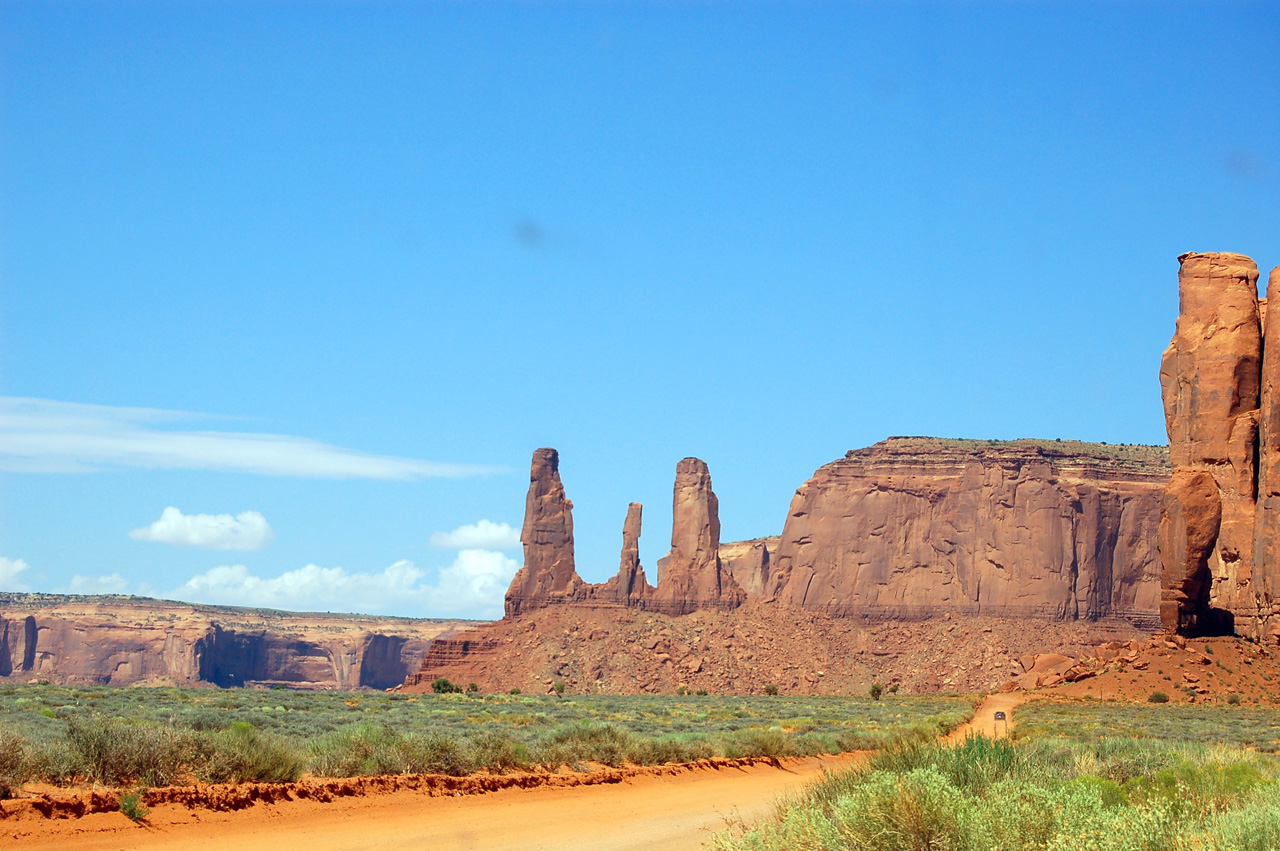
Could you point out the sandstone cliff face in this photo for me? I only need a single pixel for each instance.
(917, 527)
(1210, 378)
(1222, 410)
(691, 576)
(106, 640)
(748, 563)
(548, 575)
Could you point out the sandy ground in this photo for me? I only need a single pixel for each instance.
(984, 721)
(661, 813)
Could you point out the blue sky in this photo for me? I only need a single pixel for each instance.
(415, 242)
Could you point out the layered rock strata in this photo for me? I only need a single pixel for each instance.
(125, 640)
(920, 527)
(1221, 512)
(548, 575)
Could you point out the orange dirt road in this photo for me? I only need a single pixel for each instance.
(659, 813)
(984, 721)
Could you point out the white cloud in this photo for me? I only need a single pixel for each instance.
(472, 586)
(9, 570)
(47, 436)
(111, 584)
(485, 535)
(248, 530)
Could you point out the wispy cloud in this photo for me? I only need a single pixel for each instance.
(248, 530)
(472, 586)
(485, 535)
(9, 570)
(112, 583)
(47, 436)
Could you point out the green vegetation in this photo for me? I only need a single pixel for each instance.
(131, 806)
(875, 691)
(1091, 720)
(1157, 697)
(157, 736)
(1044, 795)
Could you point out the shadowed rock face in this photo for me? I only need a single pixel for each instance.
(1221, 389)
(916, 527)
(548, 574)
(748, 562)
(691, 577)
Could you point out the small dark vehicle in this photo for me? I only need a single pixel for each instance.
(1000, 716)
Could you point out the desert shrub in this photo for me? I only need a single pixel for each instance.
(443, 686)
(585, 742)
(13, 762)
(1042, 796)
(558, 688)
(472, 688)
(498, 751)
(355, 751)
(875, 691)
(242, 753)
(131, 805)
(437, 753)
(1233, 699)
(115, 752)
(771, 689)
(1157, 697)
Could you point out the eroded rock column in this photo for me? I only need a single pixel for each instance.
(548, 575)
(1210, 379)
(691, 576)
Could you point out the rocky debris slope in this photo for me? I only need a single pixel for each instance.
(1221, 512)
(918, 527)
(1186, 671)
(124, 640)
(629, 651)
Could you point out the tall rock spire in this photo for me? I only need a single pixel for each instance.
(1212, 378)
(548, 575)
(629, 587)
(691, 576)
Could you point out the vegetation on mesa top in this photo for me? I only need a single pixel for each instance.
(158, 736)
(1132, 456)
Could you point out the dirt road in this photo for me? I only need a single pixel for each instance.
(660, 813)
(984, 721)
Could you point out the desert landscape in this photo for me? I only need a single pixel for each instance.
(897, 478)
(927, 602)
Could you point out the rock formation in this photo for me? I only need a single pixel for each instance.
(1219, 515)
(123, 640)
(918, 527)
(748, 563)
(548, 574)
(691, 576)
(629, 587)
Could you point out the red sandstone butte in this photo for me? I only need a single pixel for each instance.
(548, 574)
(922, 527)
(1222, 411)
(691, 576)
